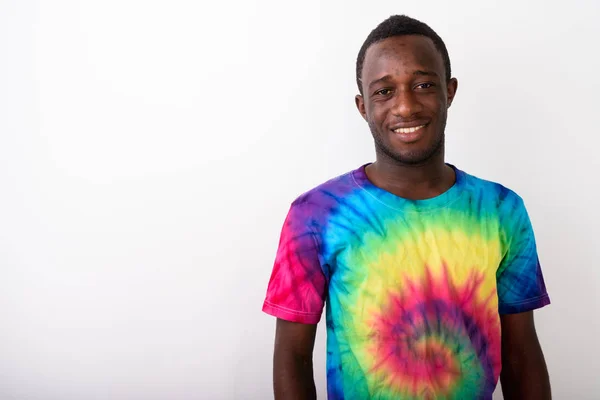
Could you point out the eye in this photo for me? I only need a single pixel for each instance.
(383, 92)
(425, 85)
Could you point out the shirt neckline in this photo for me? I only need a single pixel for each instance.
(403, 204)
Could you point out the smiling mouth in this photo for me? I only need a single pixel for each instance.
(409, 130)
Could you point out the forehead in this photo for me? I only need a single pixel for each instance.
(402, 54)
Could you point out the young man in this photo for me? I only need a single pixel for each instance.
(429, 275)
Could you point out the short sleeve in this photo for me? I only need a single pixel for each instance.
(519, 277)
(297, 287)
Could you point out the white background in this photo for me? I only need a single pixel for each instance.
(149, 151)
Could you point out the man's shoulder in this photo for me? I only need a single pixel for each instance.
(491, 189)
(327, 193)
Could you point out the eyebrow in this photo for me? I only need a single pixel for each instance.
(425, 73)
(376, 81)
(416, 73)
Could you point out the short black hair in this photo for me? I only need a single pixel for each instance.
(400, 25)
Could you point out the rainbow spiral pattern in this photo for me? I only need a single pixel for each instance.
(413, 289)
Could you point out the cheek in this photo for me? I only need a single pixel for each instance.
(376, 115)
(442, 111)
(435, 104)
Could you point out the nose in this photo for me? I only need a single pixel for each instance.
(406, 104)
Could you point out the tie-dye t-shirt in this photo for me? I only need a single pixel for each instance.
(413, 290)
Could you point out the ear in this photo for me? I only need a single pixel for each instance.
(360, 104)
(452, 87)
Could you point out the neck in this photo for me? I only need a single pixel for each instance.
(415, 182)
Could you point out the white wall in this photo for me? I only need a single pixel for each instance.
(150, 149)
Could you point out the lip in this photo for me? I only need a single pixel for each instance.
(410, 137)
(412, 124)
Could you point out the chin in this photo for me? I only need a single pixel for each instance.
(413, 159)
(413, 154)
(416, 156)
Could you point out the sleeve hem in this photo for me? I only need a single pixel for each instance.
(290, 315)
(524, 306)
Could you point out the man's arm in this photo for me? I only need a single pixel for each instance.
(292, 361)
(524, 372)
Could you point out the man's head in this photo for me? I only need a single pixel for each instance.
(404, 78)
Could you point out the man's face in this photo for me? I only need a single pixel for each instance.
(405, 97)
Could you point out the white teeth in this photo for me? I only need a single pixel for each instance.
(408, 130)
